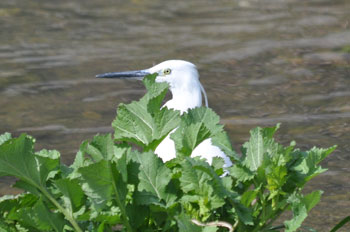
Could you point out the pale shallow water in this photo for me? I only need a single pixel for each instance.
(261, 62)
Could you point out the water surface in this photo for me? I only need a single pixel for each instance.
(261, 62)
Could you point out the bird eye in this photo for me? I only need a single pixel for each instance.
(167, 71)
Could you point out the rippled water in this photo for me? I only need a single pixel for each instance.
(261, 62)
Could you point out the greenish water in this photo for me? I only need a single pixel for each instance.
(261, 62)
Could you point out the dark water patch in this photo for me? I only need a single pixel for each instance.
(322, 58)
(326, 96)
(253, 48)
(35, 88)
(64, 130)
(272, 80)
(113, 94)
(301, 72)
(290, 118)
(318, 20)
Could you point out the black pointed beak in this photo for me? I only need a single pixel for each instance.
(138, 75)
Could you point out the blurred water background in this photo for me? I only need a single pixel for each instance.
(261, 62)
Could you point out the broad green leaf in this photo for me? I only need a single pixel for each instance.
(47, 218)
(191, 179)
(103, 182)
(210, 229)
(207, 203)
(312, 199)
(308, 167)
(81, 160)
(220, 187)
(276, 177)
(155, 90)
(27, 218)
(249, 196)
(40, 217)
(98, 182)
(216, 181)
(299, 210)
(146, 198)
(185, 225)
(218, 163)
(20, 184)
(187, 137)
(101, 147)
(279, 155)
(4, 137)
(138, 214)
(222, 141)
(49, 162)
(269, 132)
(243, 213)
(203, 187)
(72, 170)
(143, 122)
(154, 176)
(254, 149)
(261, 143)
(107, 177)
(17, 158)
(102, 228)
(165, 121)
(7, 228)
(133, 123)
(73, 195)
(227, 182)
(112, 215)
(7, 202)
(240, 173)
(121, 165)
(206, 116)
(197, 125)
(10, 203)
(133, 168)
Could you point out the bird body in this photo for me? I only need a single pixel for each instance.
(186, 90)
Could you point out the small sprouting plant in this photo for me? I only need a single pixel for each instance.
(117, 183)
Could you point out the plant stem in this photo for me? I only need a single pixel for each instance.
(235, 225)
(275, 216)
(217, 223)
(121, 205)
(60, 208)
(277, 227)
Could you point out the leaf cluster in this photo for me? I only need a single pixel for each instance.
(119, 184)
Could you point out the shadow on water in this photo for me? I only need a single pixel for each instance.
(263, 62)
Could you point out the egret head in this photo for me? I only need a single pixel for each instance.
(173, 72)
(179, 74)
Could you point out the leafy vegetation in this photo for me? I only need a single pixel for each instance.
(119, 184)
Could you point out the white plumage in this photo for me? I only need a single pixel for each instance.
(186, 90)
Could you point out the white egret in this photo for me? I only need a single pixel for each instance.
(183, 79)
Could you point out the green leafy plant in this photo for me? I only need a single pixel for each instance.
(119, 184)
